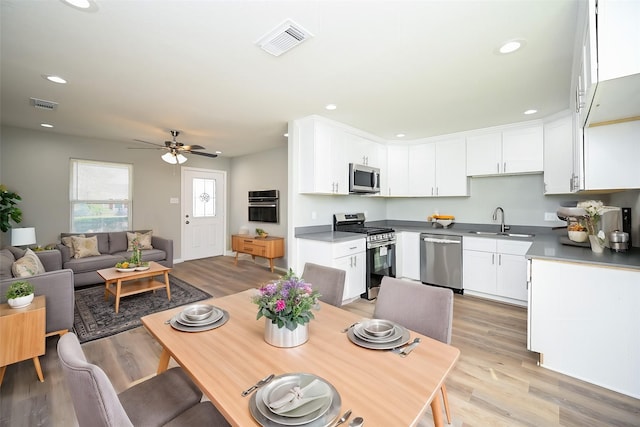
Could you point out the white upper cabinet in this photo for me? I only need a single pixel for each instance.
(451, 165)
(514, 150)
(484, 154)
(611, 156)
(609, 60)
(396, 177)
(362, 151)
(323, 166)
(559, 176)
(422, 170)
(429, 169)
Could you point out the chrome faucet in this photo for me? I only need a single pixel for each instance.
(495, 218)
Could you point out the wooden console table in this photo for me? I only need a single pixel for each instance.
(266, 247)
(22, 331)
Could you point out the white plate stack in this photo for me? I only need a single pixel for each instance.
(295, 400)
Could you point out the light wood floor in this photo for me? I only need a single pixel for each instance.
(495, 383)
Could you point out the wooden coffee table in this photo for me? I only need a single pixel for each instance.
(122, 284)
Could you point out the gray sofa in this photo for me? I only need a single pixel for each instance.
(56, 284)
(113, 249)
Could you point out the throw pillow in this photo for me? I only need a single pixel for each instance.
(68, 242)
(85, 246)
(6, 261)
(144, 240)
(27, 266)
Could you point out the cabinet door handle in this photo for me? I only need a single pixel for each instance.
(499, 259)
(493, 259)
(504, 167)
(355, 261)
(498, 167)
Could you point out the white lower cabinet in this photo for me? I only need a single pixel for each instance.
(584, 320)
(349, 256)
(495, 269)
(408, 255)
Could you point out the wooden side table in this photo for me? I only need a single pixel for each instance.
(22, 331)
(266, 247)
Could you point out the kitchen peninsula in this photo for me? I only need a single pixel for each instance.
(583, 307)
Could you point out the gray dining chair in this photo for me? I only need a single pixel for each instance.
(167, 399)
(422, 308)
(328, 281)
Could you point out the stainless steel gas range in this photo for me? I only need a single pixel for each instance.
(381, 249)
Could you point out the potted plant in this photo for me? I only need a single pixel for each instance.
(261, 233)
(286, 304)
(8, 209)
(20, 294)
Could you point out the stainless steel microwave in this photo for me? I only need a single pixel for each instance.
(363, 179)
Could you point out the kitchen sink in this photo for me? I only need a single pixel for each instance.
(505, 234)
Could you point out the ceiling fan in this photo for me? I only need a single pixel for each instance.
(175, 150)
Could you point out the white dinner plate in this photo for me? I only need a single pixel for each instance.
(286, 383)
(125, 270)
(216, 314)
(379, 345)
(328, 418)
(184, 328)
(360, 332)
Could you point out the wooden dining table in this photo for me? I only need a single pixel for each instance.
(378, 385)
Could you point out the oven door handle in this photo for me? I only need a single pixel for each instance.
(374, 245)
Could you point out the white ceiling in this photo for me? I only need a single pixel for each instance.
(136, 69)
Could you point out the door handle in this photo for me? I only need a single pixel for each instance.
(186, 222)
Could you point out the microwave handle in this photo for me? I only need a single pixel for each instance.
(375, 180)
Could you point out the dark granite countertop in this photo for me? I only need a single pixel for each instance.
(546, 241)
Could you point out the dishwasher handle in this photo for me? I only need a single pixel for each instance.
(436, 240)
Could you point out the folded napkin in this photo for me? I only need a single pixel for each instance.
(297, 397)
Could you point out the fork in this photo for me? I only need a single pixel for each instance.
(349, 327)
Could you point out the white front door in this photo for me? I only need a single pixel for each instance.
(203, 213)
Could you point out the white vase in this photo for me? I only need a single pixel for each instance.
(20, 302)
(596, 246)
(283, 337)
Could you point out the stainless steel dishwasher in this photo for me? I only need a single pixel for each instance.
(441, 260)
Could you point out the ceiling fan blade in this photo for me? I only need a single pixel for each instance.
(146, 148)
(192, 147)
(197, 153)
(147, 142)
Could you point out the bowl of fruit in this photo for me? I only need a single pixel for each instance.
(125, 267)
(577, 232)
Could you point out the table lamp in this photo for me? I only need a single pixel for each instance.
(23, 236)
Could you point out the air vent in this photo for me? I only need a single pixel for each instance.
(45, 105)
(283, 38)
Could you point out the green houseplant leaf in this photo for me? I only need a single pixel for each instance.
(8, 209)
(19, 289)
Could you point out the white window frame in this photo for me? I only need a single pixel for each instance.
(74, 200)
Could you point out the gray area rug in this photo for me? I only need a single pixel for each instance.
(96, 318)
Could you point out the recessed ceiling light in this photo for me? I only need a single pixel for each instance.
(511, 46)
(46, 125)
(331, 106)
(54, 79)
(530, 112)
(286, 135)
(82, 4)
(400, 135)
(218, 152)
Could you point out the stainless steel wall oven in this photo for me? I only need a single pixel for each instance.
(264, 206)
(381, 249)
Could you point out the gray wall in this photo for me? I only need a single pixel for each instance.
(35, 164)
(266, 170)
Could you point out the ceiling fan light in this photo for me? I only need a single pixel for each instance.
(181, 159)
(169, 158)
